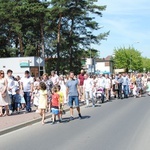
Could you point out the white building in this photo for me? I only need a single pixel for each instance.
(20, 64)
(99, 65)
(104, 65)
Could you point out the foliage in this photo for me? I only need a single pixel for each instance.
(58, 28)
(146, 64)
(128, 58)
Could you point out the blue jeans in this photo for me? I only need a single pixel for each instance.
(73, 99)
(17, 105)
(27, 98)
(12, 105)
(125, 91)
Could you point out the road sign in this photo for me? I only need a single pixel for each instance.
(39, 60)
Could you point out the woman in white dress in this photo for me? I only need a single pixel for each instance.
(4, 97)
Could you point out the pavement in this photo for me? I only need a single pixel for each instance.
(116, 125)
(18, 121)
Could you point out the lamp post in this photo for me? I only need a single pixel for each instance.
(90, 56)
(131, 55)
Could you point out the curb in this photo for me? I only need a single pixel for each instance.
(25, 124)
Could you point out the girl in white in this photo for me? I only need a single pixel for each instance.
(134, 90)
(23, 103)
(148, 86)
(42, 100)
(36, 96)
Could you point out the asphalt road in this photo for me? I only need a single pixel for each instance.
(117, 125)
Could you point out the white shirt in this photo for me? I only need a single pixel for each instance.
(88, 84)
(107, 83)
(16, 86)
(27, 83)
(55, 79)
(11, 84)
(101, 82)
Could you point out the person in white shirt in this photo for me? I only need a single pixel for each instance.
(27, 87)
(10, 87)
(88, 86)
(101, 85)
(54, 78)
(107, 87)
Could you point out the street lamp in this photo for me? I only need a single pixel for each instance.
(135, 43)
(131, 55)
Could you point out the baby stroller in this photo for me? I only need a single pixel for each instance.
(100, 94)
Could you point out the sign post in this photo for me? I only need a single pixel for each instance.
(39, 61)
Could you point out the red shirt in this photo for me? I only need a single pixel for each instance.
(81, 78)
(55, 100)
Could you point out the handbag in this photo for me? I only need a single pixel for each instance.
(116, 86)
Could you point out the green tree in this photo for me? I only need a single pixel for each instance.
(73, 22)
(146, 64)
(128, 58)
(58, 28)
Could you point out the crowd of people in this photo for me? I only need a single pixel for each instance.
(49, 93)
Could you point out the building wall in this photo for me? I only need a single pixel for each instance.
(101, 66)
(13, 63)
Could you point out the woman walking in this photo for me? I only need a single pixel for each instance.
(5, 100)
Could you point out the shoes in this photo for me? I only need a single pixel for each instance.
(80, 117)
(71, 118)
(53, 122)
(59, 121)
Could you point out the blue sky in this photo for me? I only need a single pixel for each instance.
(129, 24)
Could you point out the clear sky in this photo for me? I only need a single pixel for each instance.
(129, 24)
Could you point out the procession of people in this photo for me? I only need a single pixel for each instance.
(49, 93)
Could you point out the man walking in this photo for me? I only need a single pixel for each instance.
(27, 87)
(11, 84)
(73, 93)
(88, 87)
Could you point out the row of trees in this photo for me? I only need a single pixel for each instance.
(59, 30)
(131, 60)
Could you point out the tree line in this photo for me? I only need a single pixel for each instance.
(61, 31)
(131, 60)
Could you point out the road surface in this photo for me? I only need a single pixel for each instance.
(116, 125)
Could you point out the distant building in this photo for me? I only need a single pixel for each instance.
(104, 65)
(99, 65)
(20, 64)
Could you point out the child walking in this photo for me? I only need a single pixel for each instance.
(148, 86)
(135, 94)
(36, 96)
(55, 105)
(42, 100)
(61, 101)
(17, 98)
(23, 103)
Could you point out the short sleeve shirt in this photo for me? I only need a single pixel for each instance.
(72, 86)
(27, 83)
(55, 100)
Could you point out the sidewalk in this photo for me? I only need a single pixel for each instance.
(17, 121)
